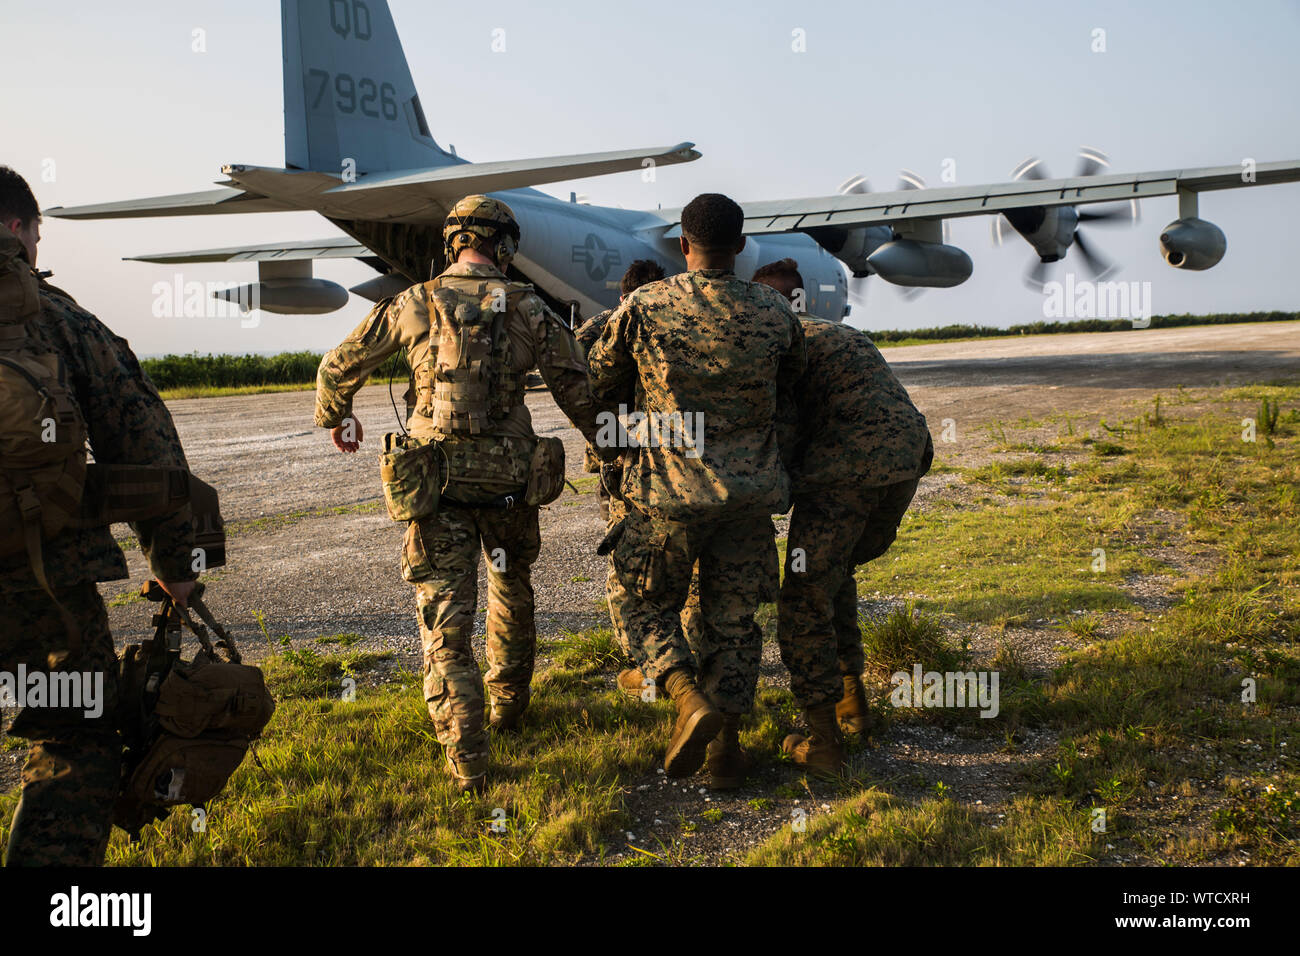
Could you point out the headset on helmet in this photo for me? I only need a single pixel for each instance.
(484, 224)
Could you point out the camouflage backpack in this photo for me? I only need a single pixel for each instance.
(42, 433)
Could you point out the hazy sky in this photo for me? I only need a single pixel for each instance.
(113, 101)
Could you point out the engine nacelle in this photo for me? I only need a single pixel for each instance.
(296, 296)
(852, 246)
(1193, 244)
(930, 265)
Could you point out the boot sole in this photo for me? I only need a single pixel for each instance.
(689, 753)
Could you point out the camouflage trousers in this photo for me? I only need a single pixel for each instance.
(441, 558)
(73, 770)
(831, 533)
(616, 595)
(737, 558)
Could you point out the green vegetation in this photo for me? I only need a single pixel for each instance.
(953, 333)
(907, 637)
(206, 376)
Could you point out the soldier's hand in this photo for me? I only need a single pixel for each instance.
(180, 591)
(347, 437)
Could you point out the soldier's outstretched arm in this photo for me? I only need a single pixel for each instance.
(128, 424)
(343, 371)
(562, 365)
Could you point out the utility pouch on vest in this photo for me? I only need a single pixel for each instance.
(412, 477)
(484, 468)
(545, 473)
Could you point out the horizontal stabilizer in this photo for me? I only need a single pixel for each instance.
(452, 182)
(206, 203)
(340, 247)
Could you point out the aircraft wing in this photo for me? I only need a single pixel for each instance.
(205, 203)
(340, 247)
(866, 209)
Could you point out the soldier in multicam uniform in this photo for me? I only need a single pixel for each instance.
(630, 680)
(72, 774)
(478, 418)
(701, 343)
(861, 451)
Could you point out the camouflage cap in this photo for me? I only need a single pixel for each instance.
(483, 224)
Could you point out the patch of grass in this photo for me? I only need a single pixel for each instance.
(343, 640)
(221, 391)
(1013, 563)
(307, 674)
(908, 637)
(876, 829)
(1266, 818)
(127, 597)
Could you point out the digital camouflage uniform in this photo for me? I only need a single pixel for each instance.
(708, 343)
(862, 448)
(71, 777)
(441, 553)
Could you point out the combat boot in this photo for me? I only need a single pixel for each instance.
(631, 683)
(469, 772)
(697, 723)
(823, 749)
(727, 763)
(506, 714)
(853, 712)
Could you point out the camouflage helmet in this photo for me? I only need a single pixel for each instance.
(484, 224)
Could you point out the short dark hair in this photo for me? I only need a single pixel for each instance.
(713, 221)
(16, 198)
(781, 269)
(638, 274)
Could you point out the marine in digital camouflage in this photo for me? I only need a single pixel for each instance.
(724, 350)
(71, 777)
(861, 451)
(711, 344)
(442, 552)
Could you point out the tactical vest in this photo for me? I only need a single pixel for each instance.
(467, 387)
(42, 433)
(467, 382)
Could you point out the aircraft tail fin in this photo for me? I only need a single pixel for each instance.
(350, 104)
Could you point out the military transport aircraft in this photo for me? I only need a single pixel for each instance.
(359, 152)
